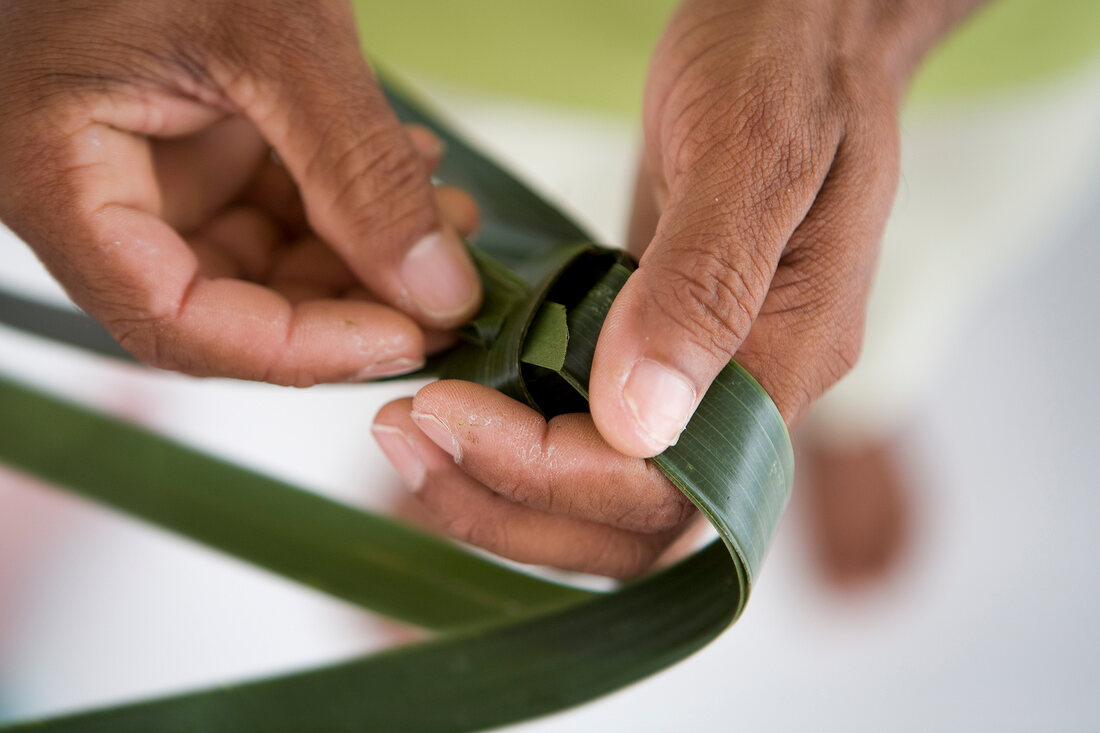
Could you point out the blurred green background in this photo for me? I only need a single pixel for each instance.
(593, 54)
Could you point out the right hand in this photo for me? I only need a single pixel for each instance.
(136, 142)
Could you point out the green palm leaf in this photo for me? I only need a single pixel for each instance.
(524, 647)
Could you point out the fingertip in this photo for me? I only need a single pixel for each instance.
(467, 418)
(659, 401)
(470, 403)
(611, 366)
(388, 368)
(394, 413)
(459, 209)
(439, 432)
(641, 400)
(430, 146)
(449, 393)
(353, 341)
(438, 407)
(413, 454)
(619, 428)
(391, 430)
(441, 280)
(232, 328)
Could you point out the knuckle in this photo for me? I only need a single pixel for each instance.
(516, 487)
(668, 514)
(381, 185)
(460, 526)
(712, 300)
(760, 115)
(759, 141)
(834, 328)
(144, 339)
(145, 324)
(545, 498)
(770, 111)
(826, 355)
(652, 515)
(839, 353)
(279, 373)
(630, 557)
(842, 353)
(470, 527)
(790, 388)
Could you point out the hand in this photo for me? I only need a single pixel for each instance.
(494, 473)
(769, 170)
(135, 158)
(770, 166)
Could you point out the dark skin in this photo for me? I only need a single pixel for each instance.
(134, 160)
(136, 163)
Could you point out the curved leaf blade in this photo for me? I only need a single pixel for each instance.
(468, 681)
(366, 559)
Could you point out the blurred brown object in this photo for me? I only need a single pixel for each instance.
(856, 507)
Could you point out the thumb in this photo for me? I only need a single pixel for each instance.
(690, 304)
(366, 190)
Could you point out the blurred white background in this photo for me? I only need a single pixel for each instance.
(987, 625)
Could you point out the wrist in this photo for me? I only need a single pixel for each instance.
(872, 38)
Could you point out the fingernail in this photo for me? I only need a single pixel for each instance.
(438, 431)
(440, 277)
(387, 368)
(400, 452)
(660, 400)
